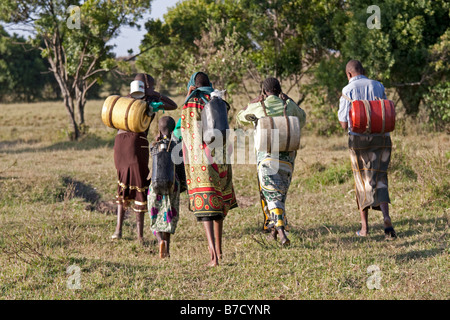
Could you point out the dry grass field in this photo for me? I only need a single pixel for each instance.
(57, 215)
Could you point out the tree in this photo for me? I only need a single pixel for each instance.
(282, 38)
(290, 37)
(404, 53)
(74, 35)
(220, 55)
(176, 40)
(21, 69)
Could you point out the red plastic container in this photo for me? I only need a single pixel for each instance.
(377, 116)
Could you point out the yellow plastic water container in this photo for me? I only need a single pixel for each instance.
(125, 113)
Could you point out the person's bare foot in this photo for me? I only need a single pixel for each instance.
(212, 263)
(273, 234)
(283, 238)
(387, 223)
(162, 249)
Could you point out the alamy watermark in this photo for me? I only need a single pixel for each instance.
(74, 280)
(374, 21)
(374, 281)
(74, 20)
(236, 146)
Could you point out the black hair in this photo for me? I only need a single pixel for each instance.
(354, 66)
(202, 80)
(272, 85)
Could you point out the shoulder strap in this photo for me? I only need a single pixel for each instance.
(285, 107)
(264, 107)
(347, 98)
(288, 127)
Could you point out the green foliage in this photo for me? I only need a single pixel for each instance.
(220, 55)
(21, 70)
(280, 38)
(400, 53)
(172, 45)
(437, 101)
(75, 42)
(322, 116)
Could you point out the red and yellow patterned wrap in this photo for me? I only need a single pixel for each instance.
(208, 176)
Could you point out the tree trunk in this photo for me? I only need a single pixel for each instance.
(68, 103)
(80, 103)
(410, 97)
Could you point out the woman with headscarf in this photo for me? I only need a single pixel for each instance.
(208, 176)
(131, 156)
(274, 169)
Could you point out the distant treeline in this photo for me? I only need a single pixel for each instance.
(25, 75)
(306, 44)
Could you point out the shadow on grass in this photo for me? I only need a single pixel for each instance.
(419, 254)
(78, 189)
(430, 230)
(88, 142)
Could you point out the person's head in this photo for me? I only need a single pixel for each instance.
(202, 80)
(166, 125)
(149, 82)
(354, 68)
(271, 86)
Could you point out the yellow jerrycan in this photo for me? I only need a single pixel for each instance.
(125, 113)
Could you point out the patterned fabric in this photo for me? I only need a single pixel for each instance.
(164, 210)
(370, 157)
(274, 108)
(275, 175)
(208, 176)
(131, 155)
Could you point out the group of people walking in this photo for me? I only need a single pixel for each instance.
(209, 183)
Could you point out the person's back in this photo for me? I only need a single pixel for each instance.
(274, 107)
(359, 88)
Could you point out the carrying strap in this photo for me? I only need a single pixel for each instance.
(288, 139)
(368, 116)
(111, 112)
(269, 135)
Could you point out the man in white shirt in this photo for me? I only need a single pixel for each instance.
(369, 153)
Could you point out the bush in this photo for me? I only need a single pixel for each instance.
(438, 106)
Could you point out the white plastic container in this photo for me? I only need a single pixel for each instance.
(277, 134)
(137, 89)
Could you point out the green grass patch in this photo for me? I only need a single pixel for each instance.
(57, 211)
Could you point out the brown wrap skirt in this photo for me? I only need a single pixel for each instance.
(131, 156)
(370, 157)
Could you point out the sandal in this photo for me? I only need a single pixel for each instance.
(389, 233)
(116, 236)
(358, 233)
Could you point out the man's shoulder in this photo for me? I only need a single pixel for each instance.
(360, 83)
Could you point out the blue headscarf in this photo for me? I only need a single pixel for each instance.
(201, 91)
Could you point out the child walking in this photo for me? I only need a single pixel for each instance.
(164, 191)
